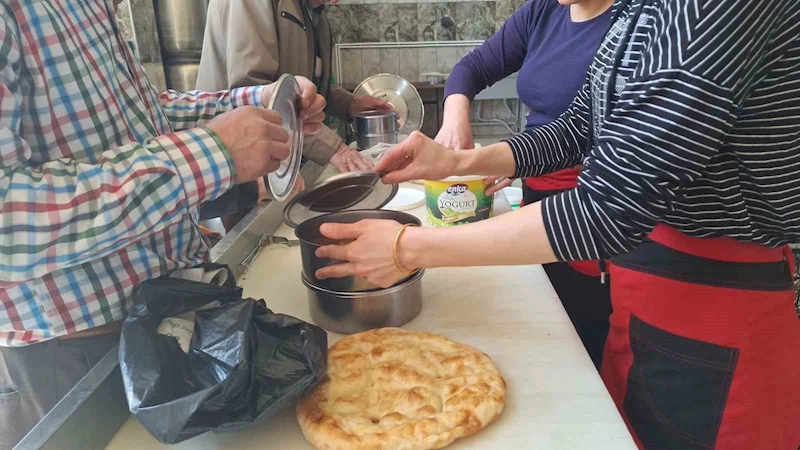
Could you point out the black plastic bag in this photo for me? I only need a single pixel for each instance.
(244, 365)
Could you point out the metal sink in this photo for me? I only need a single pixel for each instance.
(93, 411)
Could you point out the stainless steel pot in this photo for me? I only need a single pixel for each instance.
(182, 24)
(311, 239)
(401, 94)
(372, 123)
(182, 77)
(367, 142)
(375, 127)
(353, 312)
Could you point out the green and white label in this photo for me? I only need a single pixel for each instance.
(453, 203)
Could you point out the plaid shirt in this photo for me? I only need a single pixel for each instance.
(100, 177)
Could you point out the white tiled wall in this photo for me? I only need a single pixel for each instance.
(408, 59)
(390, 60)
(351, 64)
(407, 62)
(411, 62)
(427, 60)
(370, 62)
(445, 59)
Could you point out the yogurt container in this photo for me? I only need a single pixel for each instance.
(457, 200)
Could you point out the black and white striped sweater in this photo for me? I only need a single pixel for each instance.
(698, 129)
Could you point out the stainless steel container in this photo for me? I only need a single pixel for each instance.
(376, 122)
(375, 127)
(182, 24)
(182, 77)
(353, 312)
(399, 93)
(367, 142)
(311, 240)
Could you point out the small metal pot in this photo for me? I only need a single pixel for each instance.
(375, 127)
(367, 142)
(311, 239)
(353, 312)
(371, 123)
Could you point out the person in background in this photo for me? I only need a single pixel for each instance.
(551, 44)
(101, 179)
(254, 42)
(688, 132)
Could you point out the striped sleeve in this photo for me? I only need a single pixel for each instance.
(672, 118)
(64, 213)
(557, 145)
(195, 108)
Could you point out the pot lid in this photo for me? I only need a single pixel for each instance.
(286, 102)
(348, 191)
(401, 94)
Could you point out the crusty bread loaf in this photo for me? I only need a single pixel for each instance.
(392, 389)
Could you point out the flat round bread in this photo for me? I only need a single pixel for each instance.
(392, 389)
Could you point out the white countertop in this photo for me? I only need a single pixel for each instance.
(555, 399)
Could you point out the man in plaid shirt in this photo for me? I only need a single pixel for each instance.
(101, 179)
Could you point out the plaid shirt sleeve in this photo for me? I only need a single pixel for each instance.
(195, 108)
(63, 213)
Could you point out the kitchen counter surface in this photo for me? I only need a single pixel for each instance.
(555, 400)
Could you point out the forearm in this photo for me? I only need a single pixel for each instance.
(536, 152)
(493, 160)
(516, 238)
(498, 57)
(321, 146)
(133, 191)
(456, 108)
(195, 108)
(339, 101)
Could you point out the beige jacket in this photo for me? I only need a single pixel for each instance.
(252, 42)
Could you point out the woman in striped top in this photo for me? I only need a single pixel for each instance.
(550, 45)
(688, 129)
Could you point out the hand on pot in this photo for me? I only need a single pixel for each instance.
(367, 103)
(455, 136)
(369, 256)
(497, 184)
(348, 160)
(417, 158)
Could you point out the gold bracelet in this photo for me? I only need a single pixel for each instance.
(394, 250)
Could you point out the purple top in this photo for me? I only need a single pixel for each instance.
(551, 52)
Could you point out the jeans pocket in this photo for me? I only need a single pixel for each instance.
(677, 388)
(9, 396)
(13, 425)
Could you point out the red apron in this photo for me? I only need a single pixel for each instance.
(556, 181)
(704, 347)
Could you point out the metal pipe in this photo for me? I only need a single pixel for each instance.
(487, 121)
